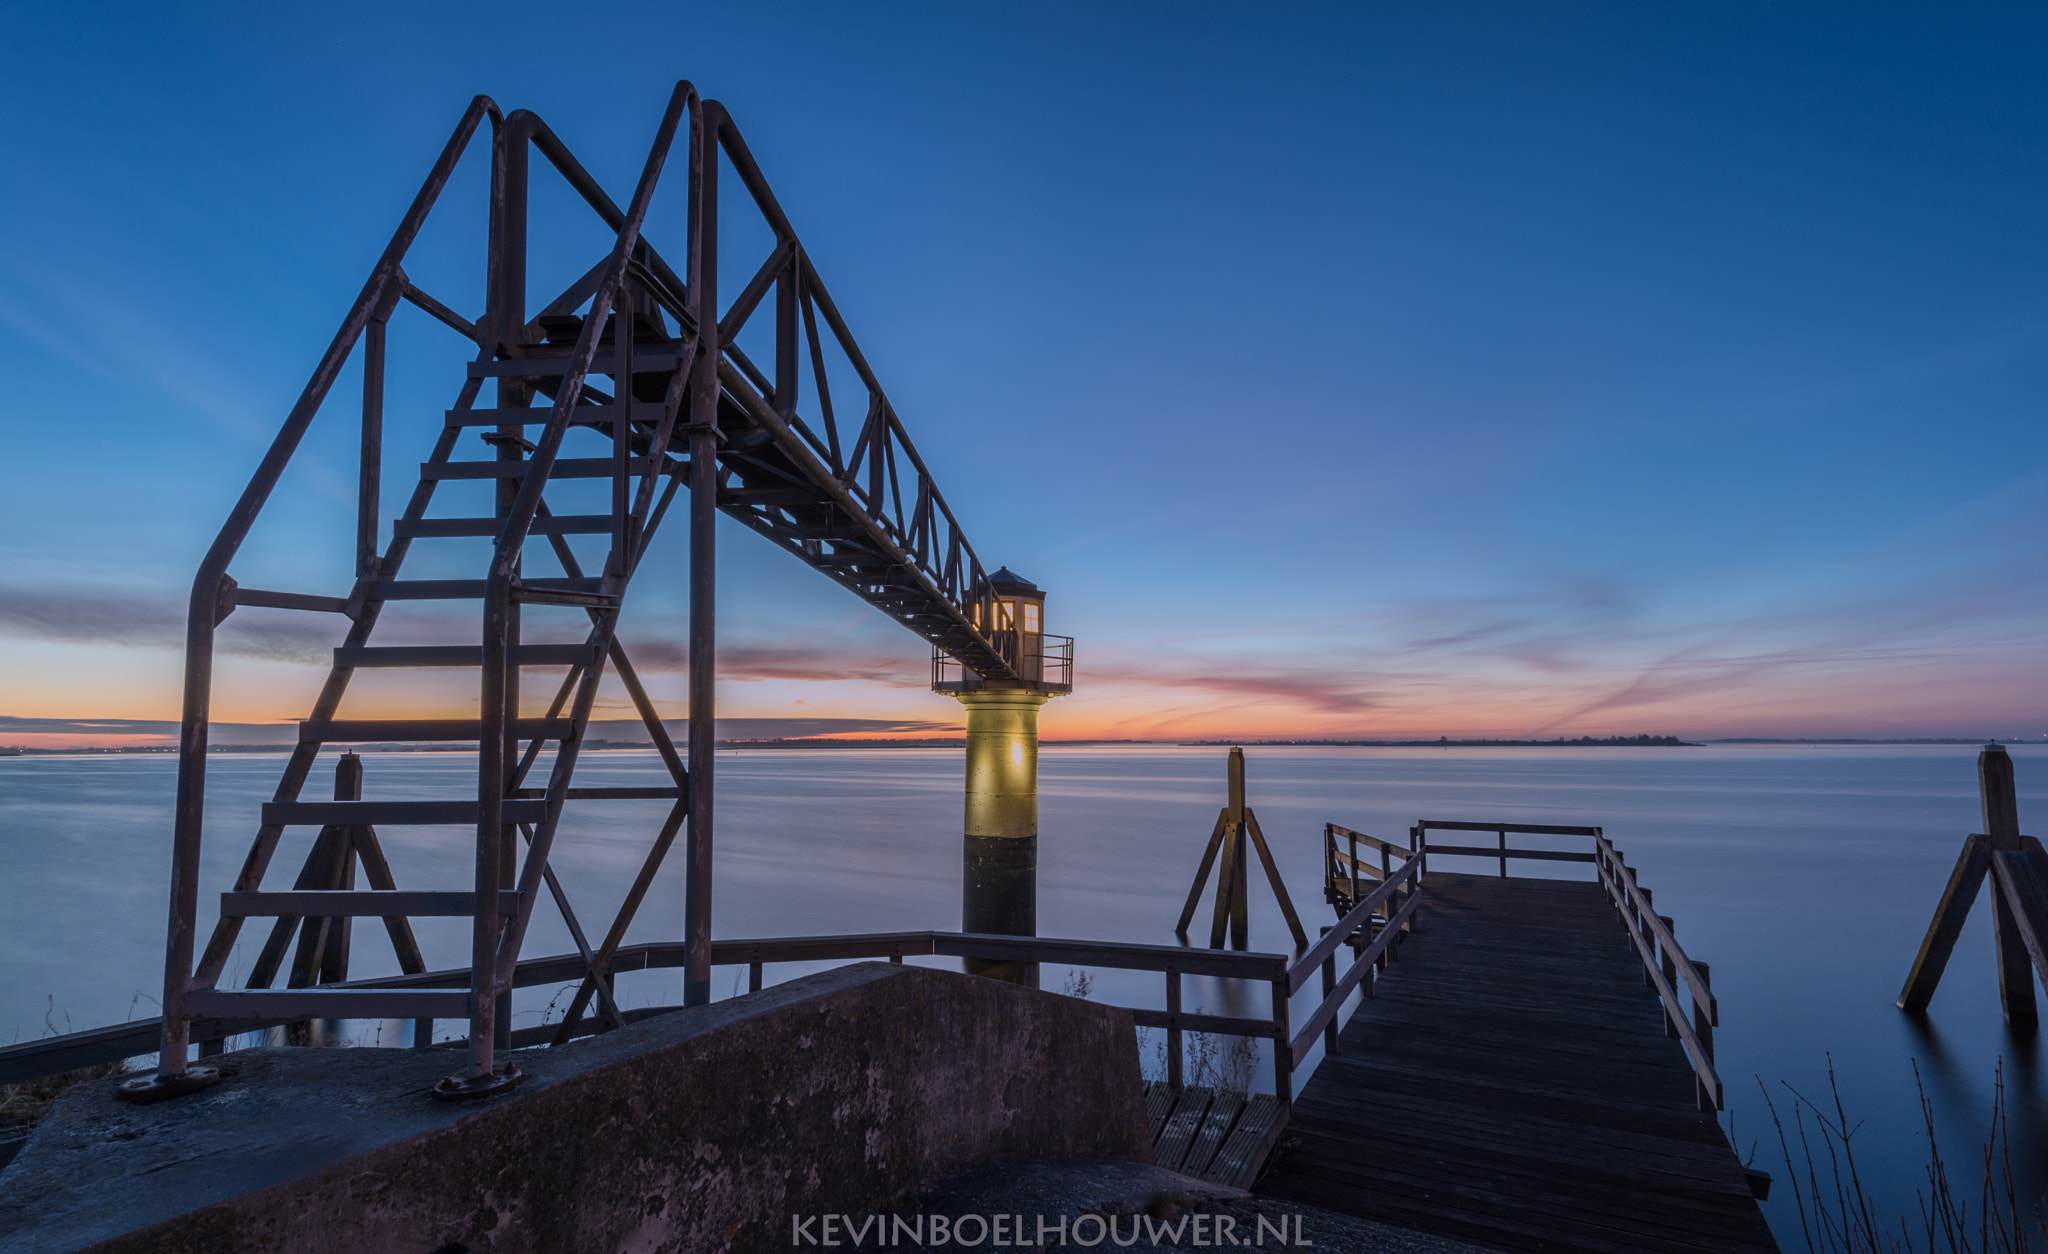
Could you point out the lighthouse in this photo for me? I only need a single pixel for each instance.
(999, 846)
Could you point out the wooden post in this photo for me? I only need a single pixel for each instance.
(1670, 966)
(1643, 928)
(1329, 987)
(1240, 879)
(1503, 855)
(1703, 1027)
(348, 786)
(1226, 880)
(2000, 803)
(1283, 1045)
(1236, 838)
(1386, 911)
(1354, 867)
(1173, 1035)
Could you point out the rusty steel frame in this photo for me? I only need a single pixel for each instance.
(836, 503)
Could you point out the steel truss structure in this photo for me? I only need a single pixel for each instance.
(645, 358)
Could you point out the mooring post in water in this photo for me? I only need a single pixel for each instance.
(1999, 798)
(2018, 870)
(1237, 837)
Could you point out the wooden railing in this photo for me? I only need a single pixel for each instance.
(1501, 851)
(1665, 967)
(1373, 926)
(55, 1054)
(1383, 902)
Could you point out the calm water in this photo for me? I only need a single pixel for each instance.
(1805, 875)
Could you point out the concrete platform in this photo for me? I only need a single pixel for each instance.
(700, 1130)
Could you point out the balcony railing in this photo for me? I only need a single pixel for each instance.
(1044, 662)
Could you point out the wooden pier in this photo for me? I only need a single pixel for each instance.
(1515, 1081)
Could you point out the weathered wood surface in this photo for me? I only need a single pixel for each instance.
(1511, 1085)
(1211, 1135)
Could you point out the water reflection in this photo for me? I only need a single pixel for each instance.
(1804, 875)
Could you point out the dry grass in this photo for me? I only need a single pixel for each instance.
(1837, 1216)
(23, 1105)
(1225, 1064)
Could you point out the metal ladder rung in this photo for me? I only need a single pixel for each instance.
(545, 367)
(468, 589)
(564, 468)
(649, 412)
(553, 525)
(456, 655)
(379, 813)
(607, 794)
(335, 904)
(365, 730)
(329, 1003)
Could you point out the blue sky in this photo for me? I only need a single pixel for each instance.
(1360, 370)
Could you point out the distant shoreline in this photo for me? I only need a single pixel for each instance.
(955, 742)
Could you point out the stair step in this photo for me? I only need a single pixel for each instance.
(564, 468)
(457, 655)
(773, 496)
(545, 367)
(367, 730)
(529, 595)
(378, 813)
(553, 525)
(468, 589)
(329, 1003)
(265, 599)
(643, 411)
(331, 904)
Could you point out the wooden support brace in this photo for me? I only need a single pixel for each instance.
(1187, 913)
(1251, 823)
(2020, 886)
(1226, 882)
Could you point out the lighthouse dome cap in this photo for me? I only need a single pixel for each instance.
(1007, 582)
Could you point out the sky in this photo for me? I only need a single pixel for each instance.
(1340, 371)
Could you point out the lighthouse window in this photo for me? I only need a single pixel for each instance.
(1030, 616)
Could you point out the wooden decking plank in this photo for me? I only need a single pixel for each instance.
(1530, 1187)
(1512, 1085)
(1612, 1158)
(1257, 1128)
(1216, 1125)
(1180, 1131)
(1158, 1105)
(1514, 1090)
(1517, 1205)
(1561, 1139)
(1504, 1232)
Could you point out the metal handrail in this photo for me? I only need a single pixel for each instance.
(212, 594)
(55, 1054)
(1055, 657)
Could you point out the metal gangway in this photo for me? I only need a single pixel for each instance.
(632, 378)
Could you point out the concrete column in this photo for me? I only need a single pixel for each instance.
(999, 884)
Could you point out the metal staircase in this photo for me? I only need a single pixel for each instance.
(640, 361)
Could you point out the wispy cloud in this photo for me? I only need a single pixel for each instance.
(741, 661)
(154, 620)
